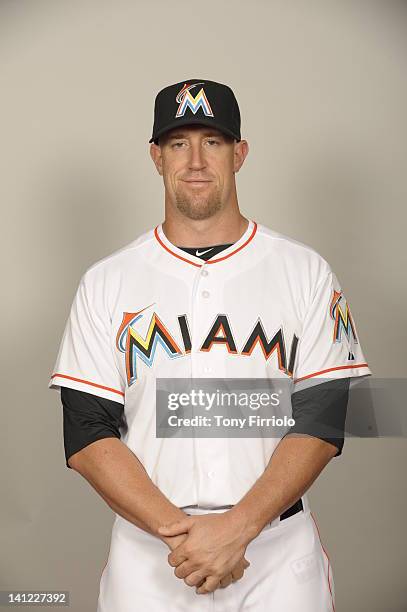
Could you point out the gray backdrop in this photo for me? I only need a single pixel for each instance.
(322, 91)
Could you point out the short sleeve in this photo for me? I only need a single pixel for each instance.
(329, 346)
(86, 360)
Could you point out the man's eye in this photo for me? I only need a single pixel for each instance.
(213, 141)
(177, 145)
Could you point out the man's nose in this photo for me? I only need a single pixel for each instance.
(196, 157)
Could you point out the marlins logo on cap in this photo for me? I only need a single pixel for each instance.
(196, 102)
(186, 100)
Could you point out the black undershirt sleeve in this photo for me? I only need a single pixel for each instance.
(87, 418)
(320, 411)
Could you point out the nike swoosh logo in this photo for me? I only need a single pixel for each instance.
(203, 252)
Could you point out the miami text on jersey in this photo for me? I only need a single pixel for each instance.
(135, 347)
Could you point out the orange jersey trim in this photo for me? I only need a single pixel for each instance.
(172, 252)
(250, 238)
(87, 382)
(210, 261)
(346, 367)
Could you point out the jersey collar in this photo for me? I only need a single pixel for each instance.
(197, 261)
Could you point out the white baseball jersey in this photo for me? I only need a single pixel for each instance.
(265, 307)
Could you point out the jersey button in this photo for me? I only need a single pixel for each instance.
(204, 272)
(211, 474)
(205, 294)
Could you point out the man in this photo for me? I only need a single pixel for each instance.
(206, 294)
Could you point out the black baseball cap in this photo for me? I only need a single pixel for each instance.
(196, 101)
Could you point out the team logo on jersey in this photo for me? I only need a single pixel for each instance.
(138, 348)
(343, 322)
(185, 99)
(135, 347)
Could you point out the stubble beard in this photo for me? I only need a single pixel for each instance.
(196, 206)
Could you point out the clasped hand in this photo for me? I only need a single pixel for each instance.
(209, 551)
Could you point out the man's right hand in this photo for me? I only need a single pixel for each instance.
(236, 573)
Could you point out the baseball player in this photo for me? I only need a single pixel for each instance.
(206, 523)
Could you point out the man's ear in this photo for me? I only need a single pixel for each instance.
(240, 154)
(155, 152)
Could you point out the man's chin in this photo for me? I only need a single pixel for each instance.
(197, 208)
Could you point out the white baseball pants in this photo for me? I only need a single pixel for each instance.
(289, 572)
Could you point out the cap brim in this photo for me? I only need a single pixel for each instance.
(197, 121)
